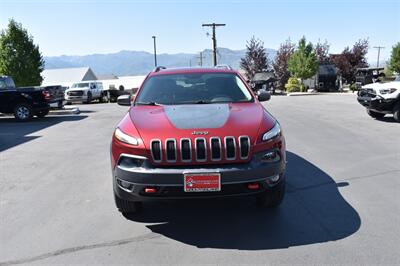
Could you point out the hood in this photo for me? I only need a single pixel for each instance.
(180, 121)
(379, 85)
(78, 89)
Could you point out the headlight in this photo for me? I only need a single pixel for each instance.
(272, 133)
(121, 136)
(387, 91)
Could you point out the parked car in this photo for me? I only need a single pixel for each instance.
(368, 75)
(324, 80)
(196, 133)
(86, 92)
(113, 93)
(25, 102)
(56, 96)
(264, 81)
(381, 98)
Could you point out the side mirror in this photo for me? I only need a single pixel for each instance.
(264, 96)
(124, 100)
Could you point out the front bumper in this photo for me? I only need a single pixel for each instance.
(377, 104)
(168, 182)
(82, 98)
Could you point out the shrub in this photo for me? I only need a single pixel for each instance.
(293, 85)
(353, 87)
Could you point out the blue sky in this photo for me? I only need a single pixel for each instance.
(75, 27)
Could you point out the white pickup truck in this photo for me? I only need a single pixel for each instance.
(86, 92)
(381, 99)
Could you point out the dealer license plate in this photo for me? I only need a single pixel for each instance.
(202, 182)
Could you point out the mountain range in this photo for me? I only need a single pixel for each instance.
(139, 63)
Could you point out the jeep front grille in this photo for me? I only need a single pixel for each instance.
(200, 149)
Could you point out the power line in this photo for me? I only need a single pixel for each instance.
(214, 38)
(379, 52)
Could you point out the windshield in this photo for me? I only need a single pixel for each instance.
(80, 85)
(193, 88)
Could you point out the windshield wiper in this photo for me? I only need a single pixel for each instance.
(149, 103)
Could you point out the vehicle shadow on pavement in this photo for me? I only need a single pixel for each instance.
(388, 119)
(313, 211)
(13, 133)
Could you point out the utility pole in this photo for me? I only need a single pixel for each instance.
(379, 52)
(155, 50)
(214, 38)
(200, 57)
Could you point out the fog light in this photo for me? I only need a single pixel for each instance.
(274, 178)
(270, 156)
(125, 185)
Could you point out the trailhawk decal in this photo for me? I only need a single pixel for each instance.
(188, 116)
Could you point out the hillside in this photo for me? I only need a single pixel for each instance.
(139, 62)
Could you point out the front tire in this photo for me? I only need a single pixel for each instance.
(128, 207)
(23, 112)
(272, 198)
(375, 115)
(104, 98)
(89, 98)
(396, 113)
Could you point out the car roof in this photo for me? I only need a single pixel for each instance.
(191, 70)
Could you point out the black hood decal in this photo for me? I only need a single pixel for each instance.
(190, 116)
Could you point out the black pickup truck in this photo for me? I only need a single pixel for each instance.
(24, 102)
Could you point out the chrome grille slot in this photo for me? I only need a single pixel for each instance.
(215, 149)
(186, 150)
(244, 145)
(230, 148)
(156, 151)
(170, 150)
(201, 149)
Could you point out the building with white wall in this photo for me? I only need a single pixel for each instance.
(67, 76)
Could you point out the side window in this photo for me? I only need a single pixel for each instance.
(10, 82)
(3, 84)
(93, 86)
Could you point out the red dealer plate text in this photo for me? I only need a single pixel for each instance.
(202, 182)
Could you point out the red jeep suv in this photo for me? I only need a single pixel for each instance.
(196, 133)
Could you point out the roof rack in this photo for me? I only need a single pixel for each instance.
(157, 69)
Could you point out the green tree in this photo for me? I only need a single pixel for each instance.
(19, 56)
(256, 59)
(395, 58)
(303, 63)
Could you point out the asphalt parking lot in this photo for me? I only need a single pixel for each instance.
(342, 204)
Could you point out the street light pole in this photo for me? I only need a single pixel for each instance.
(155, 51)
